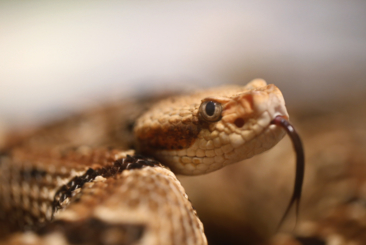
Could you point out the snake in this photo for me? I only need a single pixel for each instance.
(80, 184)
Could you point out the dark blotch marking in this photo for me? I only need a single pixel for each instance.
(239, 122)
(130, 126)
(177, 136)
(3, 155)
(127, 163)
(310, 241)
(94, 231)
(16, 219)
(33, 173)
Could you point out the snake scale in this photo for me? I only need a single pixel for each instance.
(80, 176)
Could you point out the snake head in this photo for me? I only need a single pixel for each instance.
(205, 131)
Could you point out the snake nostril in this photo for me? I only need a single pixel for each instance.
(239, 122)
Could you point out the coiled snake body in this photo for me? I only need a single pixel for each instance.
(95, 192)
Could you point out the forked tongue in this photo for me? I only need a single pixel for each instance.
(300, 165)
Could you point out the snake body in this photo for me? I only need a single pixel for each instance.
(95, 192)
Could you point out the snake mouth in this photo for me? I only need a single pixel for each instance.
(282, 121)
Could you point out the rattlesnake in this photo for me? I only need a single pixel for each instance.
(97, 193)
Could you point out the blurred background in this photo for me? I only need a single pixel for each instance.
(60, 57)
(55, 54)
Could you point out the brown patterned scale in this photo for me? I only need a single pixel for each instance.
(99, 194)
(76, 175)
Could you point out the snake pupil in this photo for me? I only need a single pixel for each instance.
(210, 108)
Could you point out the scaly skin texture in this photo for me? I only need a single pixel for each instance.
(175, 134)
(69, 174)
(93, 196)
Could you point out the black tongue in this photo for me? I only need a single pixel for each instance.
(300, 165)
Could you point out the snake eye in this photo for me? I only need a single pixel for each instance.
(210, 111)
